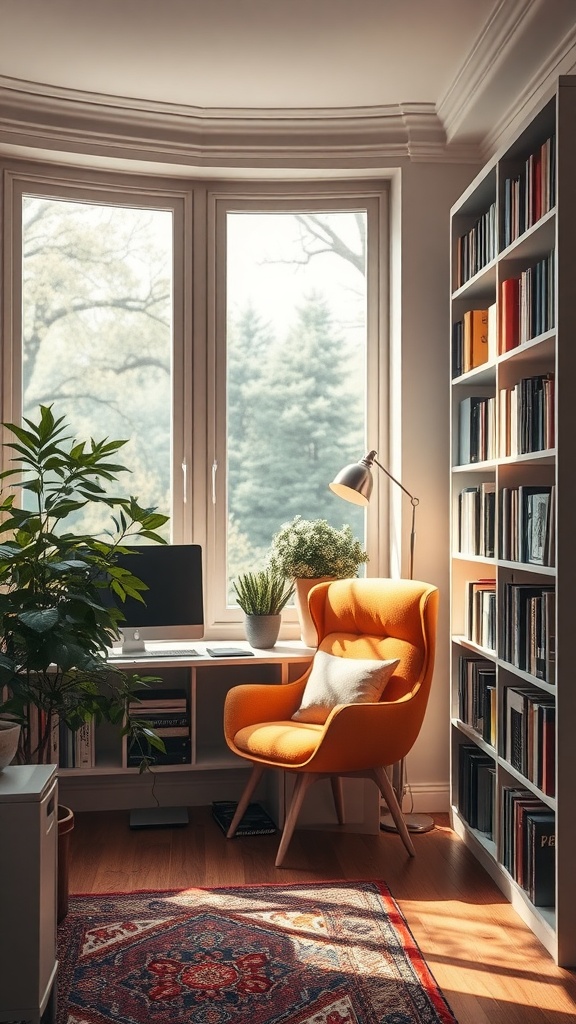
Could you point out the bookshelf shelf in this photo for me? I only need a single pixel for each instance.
(523, 597)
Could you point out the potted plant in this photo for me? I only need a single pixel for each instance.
(262, 596)
(55, 625)
(308, 551)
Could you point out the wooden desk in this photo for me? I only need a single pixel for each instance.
(214, 773)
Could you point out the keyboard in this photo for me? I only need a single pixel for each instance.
(164, 652)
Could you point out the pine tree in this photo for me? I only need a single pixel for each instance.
(303, 424)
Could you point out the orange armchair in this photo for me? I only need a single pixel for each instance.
(377, 619)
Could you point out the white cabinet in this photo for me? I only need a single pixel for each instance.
(28, 877)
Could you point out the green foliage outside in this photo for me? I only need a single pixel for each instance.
(97, 339)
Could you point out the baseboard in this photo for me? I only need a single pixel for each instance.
(427, 798)
(109, 793)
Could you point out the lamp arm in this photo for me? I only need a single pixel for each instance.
(371, 457)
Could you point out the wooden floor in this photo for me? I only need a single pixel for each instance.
(488, 964)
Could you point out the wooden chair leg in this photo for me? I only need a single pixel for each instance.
(255, 776)
(338, 794)
(303, 783)
(381, 779)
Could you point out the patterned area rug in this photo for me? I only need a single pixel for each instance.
(333, 953)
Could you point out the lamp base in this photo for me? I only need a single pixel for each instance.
(414, 822)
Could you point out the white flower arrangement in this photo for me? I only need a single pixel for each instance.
(311, 548)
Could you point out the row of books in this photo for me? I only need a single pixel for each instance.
(529, 628)
(527, 304)
(481, 612)
(167, 713)
(526, 524)
(528, 843)
(476, 247)
(66, 748)
(531, 193)
(526, 416)
(526, 421)
(477, 696)
(530, 716)
(76, 749)
(476, 520)
(474, 339)
(476, 429)
(476, 788)
(527, 825)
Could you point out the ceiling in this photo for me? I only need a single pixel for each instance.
(188, 78)
(243, 53)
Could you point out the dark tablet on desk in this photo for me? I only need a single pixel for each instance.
(229, 652)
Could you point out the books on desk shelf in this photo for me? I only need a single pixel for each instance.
(73, 749)
(178, 751)
(166, 712)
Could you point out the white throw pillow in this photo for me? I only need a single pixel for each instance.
(335, 680)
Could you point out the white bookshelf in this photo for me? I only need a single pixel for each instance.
(551, 351)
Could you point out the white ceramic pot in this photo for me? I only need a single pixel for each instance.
(9, 736)
(307, 627)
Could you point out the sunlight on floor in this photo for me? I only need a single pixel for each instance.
(516, 961)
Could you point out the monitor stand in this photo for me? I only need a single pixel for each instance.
(158, 817)
(131, 641)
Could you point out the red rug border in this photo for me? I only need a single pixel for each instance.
(423, 971)
(382, 886)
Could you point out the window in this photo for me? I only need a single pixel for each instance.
(237, 338)
(296, 371)
(97, 330)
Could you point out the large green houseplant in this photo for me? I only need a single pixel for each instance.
(55, 624)
(310, 550)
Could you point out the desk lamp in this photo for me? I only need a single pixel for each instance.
(354, 483)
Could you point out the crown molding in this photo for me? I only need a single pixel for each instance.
(521, 46)
(561, 62)
(57, 120)
(478, 67)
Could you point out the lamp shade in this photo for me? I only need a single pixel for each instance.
(354, 483)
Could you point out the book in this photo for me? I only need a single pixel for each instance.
(469, 429)
(255, 821)
(475, 344)
(534, 509)
(160, 698)
(492, 331)
(84, 756)
(541, 842)
(509, 314)
(177, 751)
(160, 718)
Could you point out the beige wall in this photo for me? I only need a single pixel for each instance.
(421, 347)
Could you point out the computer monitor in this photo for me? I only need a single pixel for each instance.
(174, 608)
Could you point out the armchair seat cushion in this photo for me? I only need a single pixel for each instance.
(279, 742)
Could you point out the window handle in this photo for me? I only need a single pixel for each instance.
(184, 480)
(214, 468)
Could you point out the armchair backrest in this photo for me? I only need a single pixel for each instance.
(381, 618)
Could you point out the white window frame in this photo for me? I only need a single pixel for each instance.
(296, 197)
(199, 338)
